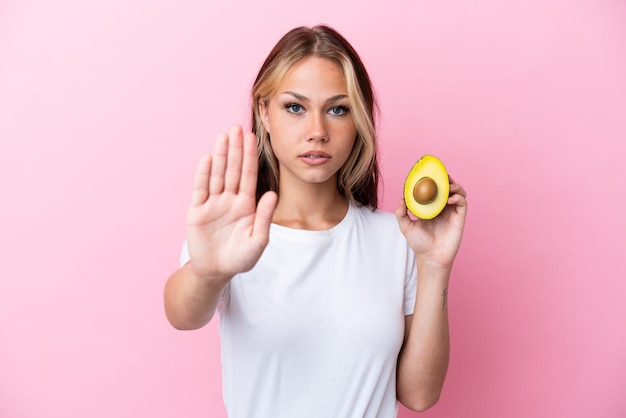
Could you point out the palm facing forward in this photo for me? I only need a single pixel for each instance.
(226, 231)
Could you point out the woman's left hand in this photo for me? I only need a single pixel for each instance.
(436, 240)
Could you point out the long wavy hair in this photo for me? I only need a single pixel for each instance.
(358, 179)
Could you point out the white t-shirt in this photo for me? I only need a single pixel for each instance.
(315, 328)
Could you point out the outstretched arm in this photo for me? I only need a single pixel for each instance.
(226, 231)
(423, 360)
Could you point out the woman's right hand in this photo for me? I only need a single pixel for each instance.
(226, 231)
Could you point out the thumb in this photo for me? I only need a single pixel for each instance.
(402, 216)
(263, 218)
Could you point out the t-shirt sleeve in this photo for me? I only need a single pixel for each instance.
(184, 254)
(410, 283)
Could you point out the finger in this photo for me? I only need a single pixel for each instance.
(402, 214)
(457, 199)
(460, 206)
(458, 203)
(249, 169)
(218, 165)
(233, 162)
(456, 188)
(200, 191)
(263, 218)
(401, 209)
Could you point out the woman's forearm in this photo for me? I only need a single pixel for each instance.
(190, 301)
(424, 357)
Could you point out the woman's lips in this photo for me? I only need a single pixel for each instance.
(314, 157)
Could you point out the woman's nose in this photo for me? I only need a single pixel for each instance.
(317, 128)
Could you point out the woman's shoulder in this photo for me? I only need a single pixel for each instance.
(380, 229)
(375, 217)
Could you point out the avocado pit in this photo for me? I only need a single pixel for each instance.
(425, 190)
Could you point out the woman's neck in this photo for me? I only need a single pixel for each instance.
(314, 207)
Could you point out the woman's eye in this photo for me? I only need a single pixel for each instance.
(293, 107)
(338, 110)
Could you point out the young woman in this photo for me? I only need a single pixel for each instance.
(321, 310)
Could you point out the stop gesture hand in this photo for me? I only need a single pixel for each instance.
(226, 231)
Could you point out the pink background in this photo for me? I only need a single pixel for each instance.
(105, 108)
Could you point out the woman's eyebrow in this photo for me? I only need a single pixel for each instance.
(336, 98)
(300, 97)
(297, 96)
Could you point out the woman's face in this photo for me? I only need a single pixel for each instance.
(310, 123)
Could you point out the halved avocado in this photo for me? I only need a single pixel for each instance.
(427, 187)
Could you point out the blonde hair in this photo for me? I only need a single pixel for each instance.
(358, 179)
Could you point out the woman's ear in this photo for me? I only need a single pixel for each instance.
(263, 111)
